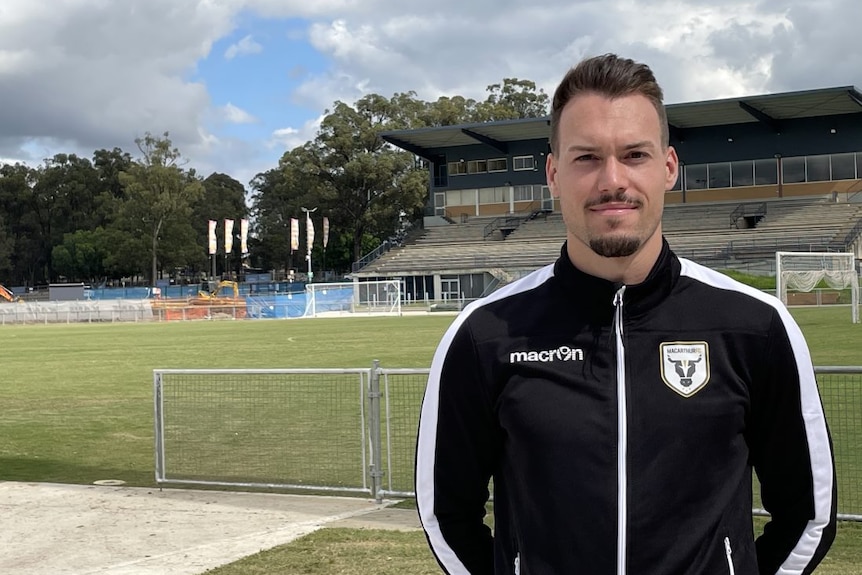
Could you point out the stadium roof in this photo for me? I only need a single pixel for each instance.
(769, 109)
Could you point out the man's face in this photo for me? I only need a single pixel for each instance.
(610, 172)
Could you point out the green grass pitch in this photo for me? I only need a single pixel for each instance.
(77, 399)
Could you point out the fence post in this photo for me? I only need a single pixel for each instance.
(158, 421)
(376, 467)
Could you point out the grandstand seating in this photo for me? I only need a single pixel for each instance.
(703, 232)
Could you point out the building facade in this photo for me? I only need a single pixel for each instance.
(760, 147)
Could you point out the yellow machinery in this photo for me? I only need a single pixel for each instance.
(224, 290)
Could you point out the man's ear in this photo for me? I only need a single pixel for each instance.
(551, 175)
(671, 168)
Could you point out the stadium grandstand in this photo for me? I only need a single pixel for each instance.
(759, 174)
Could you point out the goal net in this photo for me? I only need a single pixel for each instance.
(372, 297)
(803, 272)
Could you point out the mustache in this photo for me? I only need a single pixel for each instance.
(617, 197)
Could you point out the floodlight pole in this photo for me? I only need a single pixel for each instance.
(308, 235)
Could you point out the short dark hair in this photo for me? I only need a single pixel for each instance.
(611, 76)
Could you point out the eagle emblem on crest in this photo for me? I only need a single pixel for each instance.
(685, 366)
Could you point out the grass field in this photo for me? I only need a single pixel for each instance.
(77, 407)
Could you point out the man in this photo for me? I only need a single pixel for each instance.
(620, 397)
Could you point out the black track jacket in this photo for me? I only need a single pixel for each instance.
(620, 425)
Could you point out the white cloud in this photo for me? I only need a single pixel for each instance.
(235, 115)
(244, 47)
(698, 49)
(99, 74)
(290, 138)
(80, 75)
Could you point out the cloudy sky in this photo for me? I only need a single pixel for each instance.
(236, 83)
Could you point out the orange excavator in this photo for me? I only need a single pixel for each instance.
(7, 294)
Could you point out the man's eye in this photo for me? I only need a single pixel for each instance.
(585, 158)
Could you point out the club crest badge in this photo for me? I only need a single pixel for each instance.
(685, 366)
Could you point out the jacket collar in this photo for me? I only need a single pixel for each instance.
(595, 293)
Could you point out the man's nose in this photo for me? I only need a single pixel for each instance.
(613, 176)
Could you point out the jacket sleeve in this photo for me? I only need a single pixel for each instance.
(455, 451)
(792, 455)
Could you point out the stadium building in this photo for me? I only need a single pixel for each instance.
(759, 174)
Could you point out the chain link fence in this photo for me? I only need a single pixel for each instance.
(354, 430)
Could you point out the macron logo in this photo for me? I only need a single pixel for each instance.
(562, 353)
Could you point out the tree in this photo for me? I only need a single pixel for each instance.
(16, 184)
(367, 183)
(512, 99)
(158, 194)
(7, 247)
(82, 255)
(279, 195)
(223, 198)
(446, 111)
(62, 200)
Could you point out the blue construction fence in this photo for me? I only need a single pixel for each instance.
(260, 304)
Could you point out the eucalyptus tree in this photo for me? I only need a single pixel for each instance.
(159, 194)
(278, 196)
(368, 184)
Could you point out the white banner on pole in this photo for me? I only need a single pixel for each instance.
(228, 236)
(309, 232)
(294, 234)
(243, 235)
(212, 237)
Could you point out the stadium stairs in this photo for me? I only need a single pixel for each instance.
(703, 232)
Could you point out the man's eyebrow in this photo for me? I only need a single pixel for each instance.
(632, 146)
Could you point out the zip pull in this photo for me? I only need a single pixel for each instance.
(618, 314)
(618, 297)
(729, 553)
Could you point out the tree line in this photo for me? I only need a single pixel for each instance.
(118, 216)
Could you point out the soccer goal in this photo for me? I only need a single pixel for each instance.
(372, 297)
(803, 271)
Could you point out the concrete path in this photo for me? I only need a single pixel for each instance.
(53, 529)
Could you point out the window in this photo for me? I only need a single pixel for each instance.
(494, 195)
(523, 163)
(695, 177)
(818, 169)
(457, 168)
(498, 165)
(523, 193)
(742, 173)
(477, 166)
(719, 175)
(793, 170)
(843, 166)
(461, 197)
(765, 172)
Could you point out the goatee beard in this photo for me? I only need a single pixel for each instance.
(615, 247)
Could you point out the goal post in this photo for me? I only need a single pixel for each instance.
(382, 297)
(803, 271)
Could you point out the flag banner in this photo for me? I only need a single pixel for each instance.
(212, 237)
(309, 232)
(294, 234)
(243, 235)
(325, 231)
(228, 236)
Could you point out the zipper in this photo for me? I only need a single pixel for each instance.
(518, 564)
(729, 553)
(622, 435)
